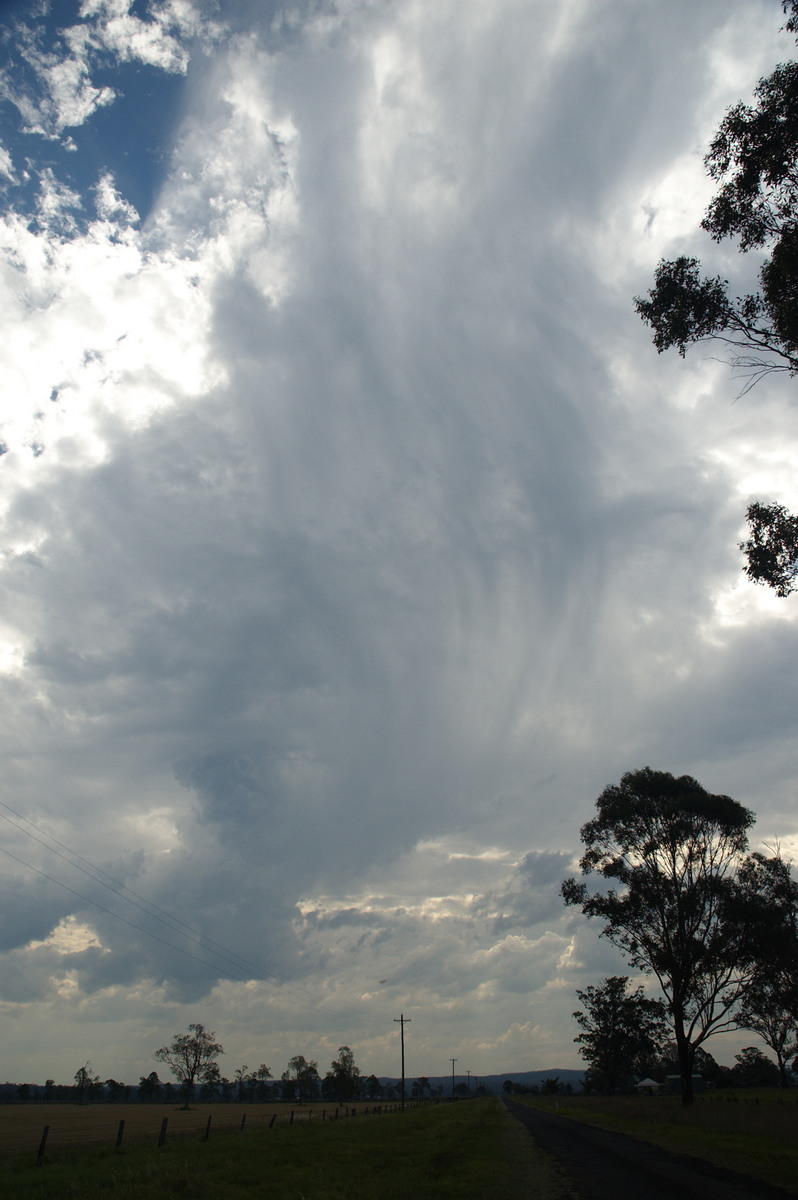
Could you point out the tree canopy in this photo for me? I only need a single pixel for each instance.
(753, 158)
(343, 1079)
(191, 1057)
(674, 849)
(771, 550)
(302, 1077)
(622, 1032)
(87, 1082)
(770, 1005)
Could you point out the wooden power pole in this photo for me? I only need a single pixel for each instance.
(401, 1021)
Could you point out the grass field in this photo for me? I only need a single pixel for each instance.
(755, 1131)
(471, 1150)
(72, 1125)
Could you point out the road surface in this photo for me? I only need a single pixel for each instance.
(611, 1166)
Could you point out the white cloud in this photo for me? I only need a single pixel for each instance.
(6, 165)
(159, 41)
(65, 96)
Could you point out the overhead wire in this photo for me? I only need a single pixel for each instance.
(117, 888)
(250, 969)
(96, 903)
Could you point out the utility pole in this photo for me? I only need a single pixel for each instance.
(453, 1061)
(401, 1021)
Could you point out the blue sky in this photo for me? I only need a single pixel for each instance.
(354, 535)
(129, 135)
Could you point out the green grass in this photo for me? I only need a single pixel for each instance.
(470, 1151)
(755, 1131)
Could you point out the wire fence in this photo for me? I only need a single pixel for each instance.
(65, 1130)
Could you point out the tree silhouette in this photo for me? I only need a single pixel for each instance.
(754, 159)
(191, 1057)
(675, 851)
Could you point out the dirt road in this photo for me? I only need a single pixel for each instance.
(609, 1166)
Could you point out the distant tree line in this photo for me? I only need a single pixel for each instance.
(551, 1086)
(192, 1058)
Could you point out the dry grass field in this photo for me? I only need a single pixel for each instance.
(72, 1126)
(465, 1151)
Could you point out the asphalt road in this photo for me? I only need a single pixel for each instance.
(610, 1166)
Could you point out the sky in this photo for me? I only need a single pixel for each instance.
(354, 536)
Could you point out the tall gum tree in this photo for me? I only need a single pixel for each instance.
(675, 851)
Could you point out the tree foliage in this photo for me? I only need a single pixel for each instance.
(674, 849)
(754, 1069)
(703, 1064)
(753, 158)
(622, 1032)
(301, 1079)
(772, 548)
(770, 1005)
(191, 1057)
(149, 1087)
(87, 1082)
(343, 1080)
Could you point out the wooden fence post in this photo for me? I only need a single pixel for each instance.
(243, 1121)
(162, 1137)
(120, 1133)
(42, 1144)
(208, 1127)
(274, 1118)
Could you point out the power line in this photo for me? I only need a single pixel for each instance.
(246, 970)
(116, 916)
(117, 888)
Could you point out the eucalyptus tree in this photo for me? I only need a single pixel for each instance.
(344, 1076)
(623, 1032)
(753, 158)
(191, 1057)
(674, 850)
(301, 1078)
(87, 1082)
(770, 1005)
(149, 1087)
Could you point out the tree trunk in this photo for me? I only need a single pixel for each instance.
(687, 1084)
(783, 1077)
(686, 1061)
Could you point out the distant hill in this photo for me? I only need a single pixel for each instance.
(494, 1083)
